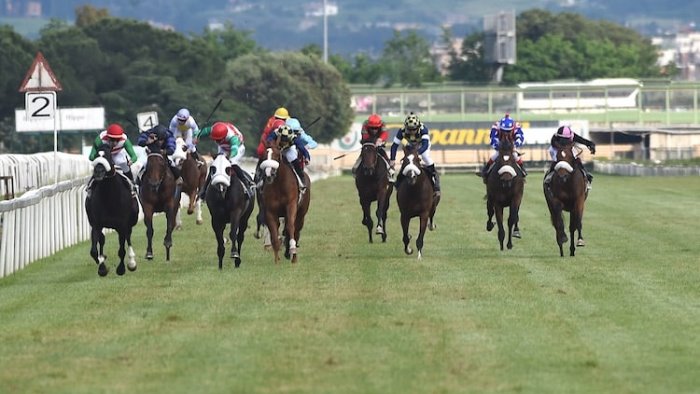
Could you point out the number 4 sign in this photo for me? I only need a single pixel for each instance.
(40, 105)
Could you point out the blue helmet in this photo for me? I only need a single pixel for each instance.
(506, 124)
(294, 124)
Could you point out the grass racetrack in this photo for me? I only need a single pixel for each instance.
(352, 317)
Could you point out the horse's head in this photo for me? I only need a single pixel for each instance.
(410, 166)
(271, 164)
(156, 170)
(180, 153)
(103, 166)
(220, 172)
(566, 161)
(368, 158)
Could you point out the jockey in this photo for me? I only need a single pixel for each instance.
(275, 121)
(182, 125)
(120, 147)
(306, 139)
(291, 145)
(161, 138)
(506, 124)
(417, 136)
(374, 131)
(565, 136)
(230, 142)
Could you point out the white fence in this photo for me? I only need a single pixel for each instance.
(30, 172)
(640, 170)
(42, 222)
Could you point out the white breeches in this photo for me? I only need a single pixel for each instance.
(120, 160)
(291, 153)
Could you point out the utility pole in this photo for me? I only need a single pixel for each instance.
(325, 32)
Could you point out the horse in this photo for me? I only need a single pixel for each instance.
(504, 188)
(227, 204)
(372, 183)
(159, 193)
(567, 192)
(110, 205)
(415, 197)
(193, 177)
(283, 198)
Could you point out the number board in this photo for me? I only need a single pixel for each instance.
(147, 120)
(40, 105)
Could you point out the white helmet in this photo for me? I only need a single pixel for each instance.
(183, 114)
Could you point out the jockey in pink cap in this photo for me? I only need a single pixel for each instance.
(565, 136)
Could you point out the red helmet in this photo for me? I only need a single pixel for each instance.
(219, 131)
(374, 120)
(115, 131)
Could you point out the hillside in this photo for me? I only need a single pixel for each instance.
(360, 25)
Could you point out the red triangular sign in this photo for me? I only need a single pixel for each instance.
(40, 77)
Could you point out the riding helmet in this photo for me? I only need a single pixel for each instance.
(506, 124)
(219, 131)
(183, 114)
(281, 113)
(412, 122)
(374, 121)
(115, 131)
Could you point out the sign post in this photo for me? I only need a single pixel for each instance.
(39, 87)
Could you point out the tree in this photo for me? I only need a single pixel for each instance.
(86, 15)
(308, 88)
(407, 60)
(469, 65)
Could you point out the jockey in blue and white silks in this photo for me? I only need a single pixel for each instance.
(505, 125)
(417, 136)
(183, 125)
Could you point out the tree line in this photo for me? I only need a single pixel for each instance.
(128, 67)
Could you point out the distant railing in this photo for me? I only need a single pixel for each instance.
(654, 103)
(29, 172)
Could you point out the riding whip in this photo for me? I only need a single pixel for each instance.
(213, 110)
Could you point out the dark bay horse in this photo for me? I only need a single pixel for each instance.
(567, 192)
(504, 188)
(372, 183)
(282, 198)
(110, 205)
(193, 177)
(158, 194)
(415, 197)
(227, 204)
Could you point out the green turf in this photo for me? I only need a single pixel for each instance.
(354, 317)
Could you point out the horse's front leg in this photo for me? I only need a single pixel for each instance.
(148, 221)
(95, 235)
(131, 264)
(218, 226)
(273, 224)
(171, 212)
(234, 221)
(367, 217)
(121, 268)
(513, 218)
(421, 234)
(198, 211)
(178, 221)
(574, 225)
(489, 212)
(499, 222)
(405, 221)
(290, 225)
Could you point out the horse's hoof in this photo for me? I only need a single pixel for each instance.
(408, 250)
(432, 226)
(489, 226)
(102, 270)
(235, 255)
(516, 234)
(121, 270)
(149, 256)
(379, 230)
(237, 262)
(131, 267)
(199, 221)
(581, 242)
(178, 227)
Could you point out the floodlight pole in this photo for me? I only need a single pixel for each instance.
(325, 32)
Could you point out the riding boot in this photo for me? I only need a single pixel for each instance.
(88, 188)
(248, 184)
(300, 172)
(177, 175)
(522, 168)
(203, 190)
(588, 175)
(434, 177)
(130, 175)
(548, 175)
(356, 166)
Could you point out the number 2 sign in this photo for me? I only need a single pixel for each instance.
(40, 105)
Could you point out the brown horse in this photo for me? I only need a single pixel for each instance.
(193, 177)
(158, 194)
(567, 192)
(373, 184)
(283, 198)
(415, 197)
(504, 188)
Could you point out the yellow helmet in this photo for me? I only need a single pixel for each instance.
(281, 113)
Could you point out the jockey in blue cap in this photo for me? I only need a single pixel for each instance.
(507, 125)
